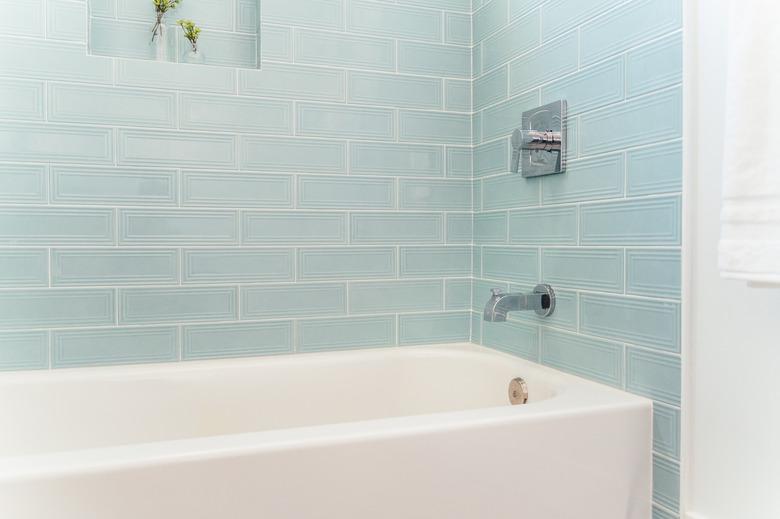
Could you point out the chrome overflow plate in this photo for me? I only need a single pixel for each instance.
(518, 391)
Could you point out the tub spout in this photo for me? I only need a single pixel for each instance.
(541, 301)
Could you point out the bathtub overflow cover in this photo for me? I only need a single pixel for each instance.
(518, 391)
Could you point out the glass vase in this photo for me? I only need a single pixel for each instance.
(163, 41)
(194, 56)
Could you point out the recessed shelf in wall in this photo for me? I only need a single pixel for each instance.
(230, 35)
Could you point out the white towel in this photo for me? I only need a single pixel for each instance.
(750, 218)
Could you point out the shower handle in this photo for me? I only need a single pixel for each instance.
(534, 140)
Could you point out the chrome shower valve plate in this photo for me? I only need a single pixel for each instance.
(551, 118)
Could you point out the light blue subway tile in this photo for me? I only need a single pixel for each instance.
(162, 305)
(24, 350)
(559, 16)
(476, 328)
(52, 60)
(66, 20)
(627, 26)
(79, 348)
(666, 483)
(434, 127)
(434, 328)
(22, 18)
(214, 14)
(346, 263)
(457, 294)
(655, 273)
(476, 60)
(181, 227)
(457, 94)
(653, 66)
(586, 179)
(346, 333)
(237, 265)
(459, 162)
(509, 191)
(546, 226)
(653, 324)
(109, 267)
(564, 316)
(321, 120)
(235, 114)
(294, 300)
(55, 143)
(551, 61)
(511, 264)
(490, 88)
(396, 159)
(102, 8)
(328, 14)
(455, 5)
(491, 158)
(227, 49)
(396, 296)
(237, 340)
(46, 308)
(490, 228)
(519, 37)
(113, 186)
(476, 261)
(641, 121)
(514, 338)
(293, 82)
(493, 15)
(381, 19)
(121, 38)
(276, 44)
(638, 222)
(522, 7)
(23, 183)
(435, 262)
(343, 50)
(178, 149)
(381, 228)
(445, 195)
(590, 88)
(21, 99)
(24, 268)
(653, 375)
(583, 269)
(660, 513)
(460, 228)
(56, 226)
(294, 228)
(502, 119)
(228, 189)
(345, 192)
(594, 359)
(457, 28)
(394, 90)
(293, 155)
(572, 137)
(430, 59)
(476, 128)
(666, 430)
(175, 76)
(655, 170)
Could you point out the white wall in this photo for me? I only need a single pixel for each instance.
(733, 392)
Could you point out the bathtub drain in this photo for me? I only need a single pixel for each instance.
(518, 391)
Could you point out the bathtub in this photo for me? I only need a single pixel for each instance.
(402, 433)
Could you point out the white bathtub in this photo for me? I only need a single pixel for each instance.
(403, 433)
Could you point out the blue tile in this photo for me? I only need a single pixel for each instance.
(56, 143)
(444, 195)
(235, 114)
(546, 226)
(653, 66)
(586, 179)
(396, 159)
(502, 119)
(457, 95)
(346, 263)
(459, 162)
(113, 186)
(657, 169)
(237, 265)
(666, 430)
(293, 155)
(395, 296)
(590, 88)
(345, 334)
(594, 359)
(174, 76)
(56, 226)
(380, 19)
(638, 222)
(170, 305)
(237, 340)
(654, 375)
(490, 88)
(327, 14)
(23, 183)
(292, 81)
(519, 37)
(176, 149)
(492, 16)
(509, 191)
(434, 127)
(511, 264)
(551, 61)
(20, 99)
(432, 262)
(395, 90)
(185, 227)
(294, 228)
(345, 192)
(24, 350)
(228, 189)
(596, 269)
(457, 294)
(52, 60)
(24, 268)
(113, 346)
(276, 43)
(654, 324)
(321, 120)
(370, 228)
(106, 267)
(559, 16)
(476, 328)
(46, 308)
(654, 273)
(430, 59)
(490, 228)
(514, 338)
(460, 228)
(457, 28)
(491, 158)
(294, 300)
(333, 49)
(434, 328)
(666, 482)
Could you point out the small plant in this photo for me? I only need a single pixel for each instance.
(161, 7)
(191, 32)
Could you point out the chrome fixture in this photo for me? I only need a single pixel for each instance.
(541, 301)
(518, 391)
(540, 144)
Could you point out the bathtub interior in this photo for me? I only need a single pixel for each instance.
(104, 407)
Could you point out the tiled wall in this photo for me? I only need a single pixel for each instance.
(607, 233)
(159, 212)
